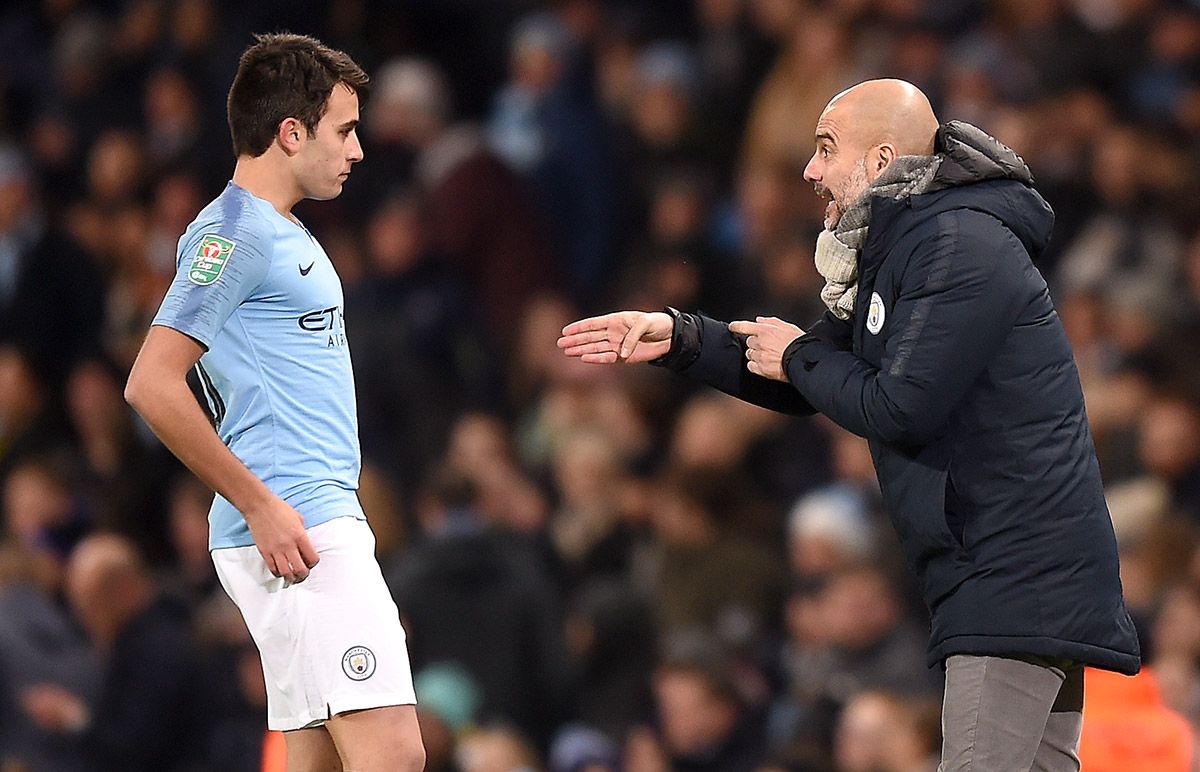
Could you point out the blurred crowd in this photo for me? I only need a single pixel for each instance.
(598, 568)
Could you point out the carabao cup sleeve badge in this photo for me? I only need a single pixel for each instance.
(210, 259)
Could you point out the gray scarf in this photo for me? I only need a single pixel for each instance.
(837, 251)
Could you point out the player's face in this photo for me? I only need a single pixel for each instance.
(326, 157)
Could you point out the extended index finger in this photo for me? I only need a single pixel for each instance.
(746, 328)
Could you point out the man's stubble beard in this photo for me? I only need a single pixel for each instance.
(856, 184)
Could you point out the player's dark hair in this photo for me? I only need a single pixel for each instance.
(285, 76)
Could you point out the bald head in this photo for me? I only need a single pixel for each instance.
(106, 584)
(860, 133)
(102, 557)
(888, 110)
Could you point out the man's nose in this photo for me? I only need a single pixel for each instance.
(812, 172)
(356, 152)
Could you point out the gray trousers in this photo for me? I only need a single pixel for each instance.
(1011, 715)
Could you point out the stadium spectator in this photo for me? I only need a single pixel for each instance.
(883, 732)
(707, 571)
(421, 356)
(1169, 445)
(546, 124)
(51, 294)
(480, 215)
(848, 634)
(613, 640)
(45, 514)
(470, 580)
(124, 473)
(146, 715)
(704, 723)
(39, 644)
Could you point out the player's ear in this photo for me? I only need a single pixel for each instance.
(289, 134)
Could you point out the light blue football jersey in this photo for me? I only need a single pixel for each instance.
(261, 295)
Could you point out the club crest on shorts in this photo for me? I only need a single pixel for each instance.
(358, 663)
(209, 261)
(875, 314)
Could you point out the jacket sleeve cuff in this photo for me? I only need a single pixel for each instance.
(803, 354)
(685, 342)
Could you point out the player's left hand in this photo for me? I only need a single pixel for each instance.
(767, 338)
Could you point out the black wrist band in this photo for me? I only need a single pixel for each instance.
(685, 342)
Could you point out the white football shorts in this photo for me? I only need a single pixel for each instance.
(330, 644)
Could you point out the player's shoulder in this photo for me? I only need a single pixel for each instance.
(233, 220)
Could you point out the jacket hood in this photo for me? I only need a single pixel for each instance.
(971, 155)
(979, 172)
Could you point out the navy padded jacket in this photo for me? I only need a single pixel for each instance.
(967, 391)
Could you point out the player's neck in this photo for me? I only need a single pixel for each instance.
(268, 179)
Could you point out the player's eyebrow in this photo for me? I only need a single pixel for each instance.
(348, 125)
(824, 134)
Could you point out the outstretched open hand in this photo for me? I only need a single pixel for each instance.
(622, 336)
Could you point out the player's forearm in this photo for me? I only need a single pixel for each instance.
(171, 410)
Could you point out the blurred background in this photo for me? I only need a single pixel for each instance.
(598, 568)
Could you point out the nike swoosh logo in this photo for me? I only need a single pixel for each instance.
(304, 271)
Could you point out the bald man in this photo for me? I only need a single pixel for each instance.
(107, 586)
(861, 132)
(147, 715)
(942, 347)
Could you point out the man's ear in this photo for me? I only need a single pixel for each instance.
(289, 134)
(882, 158)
